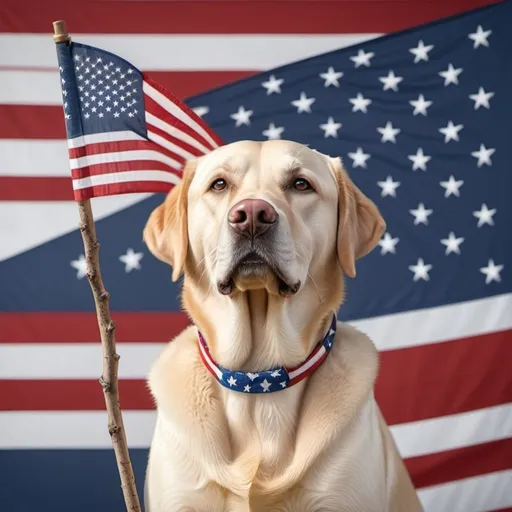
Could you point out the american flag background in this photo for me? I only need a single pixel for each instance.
(416, 103)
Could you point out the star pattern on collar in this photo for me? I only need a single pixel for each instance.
(268, 381)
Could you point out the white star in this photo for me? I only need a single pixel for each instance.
(362, 58)
(420, 270)
(303, 104)
(419, 160)
(131, 260)
(452, 243)
(451, 132)
(391, 81)
(101, 114)
(480, 37)
(331, 77)
(360, 103)
(388, 244)
(421, 214)
(265, 385)
(388, 187)
(388, 133)
(81, 266)
(116, 114)
(276, 373)
(273, 84)
(330, 128)
(482, 98)
(359, 158)
(247, 388)
(483, 155)
(252, 376)
(273, 131)
(421, 51)
(232, 381)
(420, 105)
(77, 57)
(451, 75)
(484, 216)
(452, 186)
(492, 272)
(242, 116)
(283, 384)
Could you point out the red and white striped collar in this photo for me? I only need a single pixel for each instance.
(268, 381)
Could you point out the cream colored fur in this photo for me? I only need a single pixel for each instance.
(321, 445)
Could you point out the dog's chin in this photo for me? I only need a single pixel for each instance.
(253, 273)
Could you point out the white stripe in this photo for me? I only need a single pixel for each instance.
(81, 362)
(27, 224)
(435, 325)
(481, 493)
(98, 138)
(41, 426)
(19, 87)
(175, 111)
(209, 361)
(22, 157)
(453, 431)
(174, 132)
(177, 52)
(57, 430)
(308, 364)
(74, 360)
(123, 156)
(158, 139)
(125, 177)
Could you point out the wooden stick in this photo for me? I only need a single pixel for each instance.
(109, 379)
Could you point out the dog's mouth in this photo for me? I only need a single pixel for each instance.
(255, 266)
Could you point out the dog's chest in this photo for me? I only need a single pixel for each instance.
(264, 426)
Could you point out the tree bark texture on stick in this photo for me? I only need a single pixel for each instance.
(109, 377)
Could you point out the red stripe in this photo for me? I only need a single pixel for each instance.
(125, 145)
(445, 378)
(227, 17)
(35, 189)
(113, 167)
(69, 395)
(130, 187)
(446, 466)
(309, 371)
(205, 362)
(154, 108)
(82, 327)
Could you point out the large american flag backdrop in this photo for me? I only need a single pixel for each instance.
(421, 118)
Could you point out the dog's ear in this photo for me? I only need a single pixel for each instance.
(166, 231)
(360, 224)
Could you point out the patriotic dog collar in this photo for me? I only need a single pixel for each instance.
(268, 381)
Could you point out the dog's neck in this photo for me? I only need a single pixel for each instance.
(254, 330)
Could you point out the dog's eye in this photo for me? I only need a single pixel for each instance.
(302, 185)
(218, 185)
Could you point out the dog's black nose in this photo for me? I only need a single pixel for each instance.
(252, 217)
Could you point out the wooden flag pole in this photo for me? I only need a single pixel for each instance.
(109, 379)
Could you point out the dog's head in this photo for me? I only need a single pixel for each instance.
(263, 215)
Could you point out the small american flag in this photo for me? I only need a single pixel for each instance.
(125, 132)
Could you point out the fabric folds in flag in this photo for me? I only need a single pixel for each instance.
(125, 132)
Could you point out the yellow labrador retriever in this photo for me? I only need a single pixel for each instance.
(266, 403)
